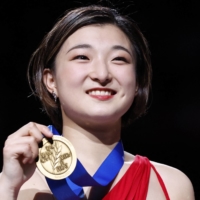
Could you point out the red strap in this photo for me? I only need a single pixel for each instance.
(161, 183)
(134, 184)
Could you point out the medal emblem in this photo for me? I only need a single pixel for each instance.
(57, 160)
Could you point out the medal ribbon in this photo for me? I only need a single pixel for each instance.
(71, 187)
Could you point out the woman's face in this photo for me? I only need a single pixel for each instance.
(94, 76)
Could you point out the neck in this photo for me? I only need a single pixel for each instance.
(92, 144)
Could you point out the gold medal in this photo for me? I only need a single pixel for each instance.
(57, 160)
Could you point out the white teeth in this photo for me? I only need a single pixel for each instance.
(100, 92)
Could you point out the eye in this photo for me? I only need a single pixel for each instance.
(81, 57)
(120, 59)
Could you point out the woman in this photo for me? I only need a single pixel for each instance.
(92, 73)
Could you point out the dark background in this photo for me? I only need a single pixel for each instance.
(170, 132)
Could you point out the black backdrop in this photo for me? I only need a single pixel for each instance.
(170, 131)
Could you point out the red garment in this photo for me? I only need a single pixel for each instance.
(134, 184)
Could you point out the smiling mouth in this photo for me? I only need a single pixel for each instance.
(101, 92)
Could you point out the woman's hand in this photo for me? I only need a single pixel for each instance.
(20, 152)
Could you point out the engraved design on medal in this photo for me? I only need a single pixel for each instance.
(57, 155)
(57, 160)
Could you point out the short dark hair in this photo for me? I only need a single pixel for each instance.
(44, 57)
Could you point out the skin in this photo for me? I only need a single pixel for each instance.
(95, 82)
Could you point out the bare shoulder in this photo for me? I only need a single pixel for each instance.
(35, 188)
(128, 157)
(177, 183)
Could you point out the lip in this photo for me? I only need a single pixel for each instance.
(113, 92)
(101, 93)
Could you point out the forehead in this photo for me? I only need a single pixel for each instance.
(98, 34)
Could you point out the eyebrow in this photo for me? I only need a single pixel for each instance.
(80, 46)
(87, 46)
(119, 47)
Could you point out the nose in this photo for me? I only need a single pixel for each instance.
(100, 73)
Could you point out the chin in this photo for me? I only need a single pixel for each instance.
(104, 119)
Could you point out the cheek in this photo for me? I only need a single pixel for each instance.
(69, 76)
(127, 78)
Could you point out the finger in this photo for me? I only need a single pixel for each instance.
(21, 152)
(30, 140)
(32, 129)
(45, 130)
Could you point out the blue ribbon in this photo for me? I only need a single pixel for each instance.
(71, 187)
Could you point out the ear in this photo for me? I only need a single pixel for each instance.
(49, 81)
(136, 90)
